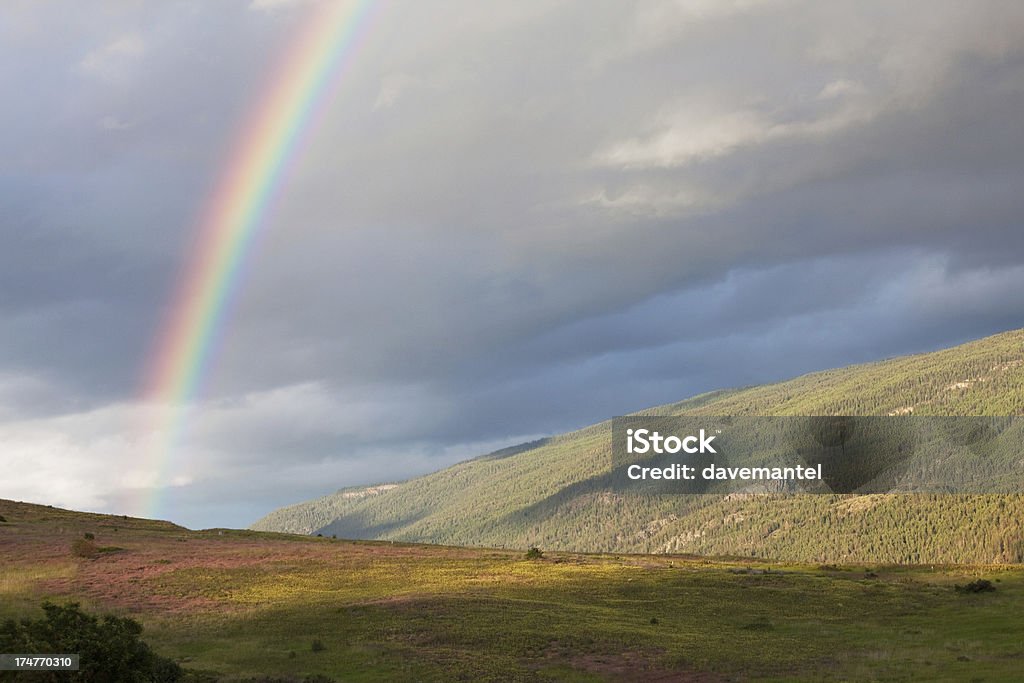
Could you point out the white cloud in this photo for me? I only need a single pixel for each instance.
(697, 131)
(648, 200)
(272, 5)
(114, 61)
(689, 135)
(391, 88)
(80, 460)
(110, 459)
(841, 88)
(114, 123)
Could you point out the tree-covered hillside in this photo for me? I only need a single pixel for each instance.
(553, 493)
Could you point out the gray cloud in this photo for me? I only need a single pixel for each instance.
(508, 221)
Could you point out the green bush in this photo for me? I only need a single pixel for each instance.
(317, 645)
(534, 553)
(89, 536)
(110, 648)
(978, 586)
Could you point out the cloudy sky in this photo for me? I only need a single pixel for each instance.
(510, 219)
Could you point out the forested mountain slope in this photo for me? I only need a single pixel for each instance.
(551, 493)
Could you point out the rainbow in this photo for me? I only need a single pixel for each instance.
(233, 218)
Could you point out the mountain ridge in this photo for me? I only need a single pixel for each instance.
(549, 493)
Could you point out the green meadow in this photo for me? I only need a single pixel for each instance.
(244, 605)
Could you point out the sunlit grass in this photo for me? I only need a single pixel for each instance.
(244, 604)
(19, 580)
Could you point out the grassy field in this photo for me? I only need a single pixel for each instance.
(238, 604)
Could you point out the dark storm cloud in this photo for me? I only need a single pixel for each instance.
(511, 220)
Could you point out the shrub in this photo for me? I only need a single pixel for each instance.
(2, 518)
(89, 536)
(110, 647)
(83, 547)
(977, 586)
(317, 645)
(534, 553)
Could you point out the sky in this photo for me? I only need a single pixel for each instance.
(508, 220)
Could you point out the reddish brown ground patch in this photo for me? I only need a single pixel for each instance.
(140, 574)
